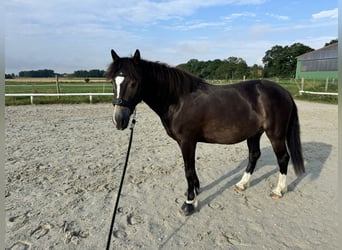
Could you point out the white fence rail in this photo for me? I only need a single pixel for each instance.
(317, 93)
(32, 95)
(302, 91)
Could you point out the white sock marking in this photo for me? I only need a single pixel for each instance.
(244, 182)
(281, 186)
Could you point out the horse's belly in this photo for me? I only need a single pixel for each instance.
(229, 134)
(223, 138)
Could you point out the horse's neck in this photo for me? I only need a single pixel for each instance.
(166, 89)
(158, 98)
(157, 93)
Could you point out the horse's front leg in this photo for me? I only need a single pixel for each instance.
(188, 152)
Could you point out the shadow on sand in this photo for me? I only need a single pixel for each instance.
(315, 154)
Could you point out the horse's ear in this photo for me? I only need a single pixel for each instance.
(114, 55)
(136, 57)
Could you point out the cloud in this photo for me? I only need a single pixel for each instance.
(53, 15)
(329, 14)
(238, 15)
(193, 25)
(278, 17)
(193, 48)
(315, 42)
(145, 11)
(68, 35)
(59, 14)
(199, 24)
(260, 29)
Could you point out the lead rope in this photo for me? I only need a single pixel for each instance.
(122, 180)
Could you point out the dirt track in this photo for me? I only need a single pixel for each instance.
(64, 164)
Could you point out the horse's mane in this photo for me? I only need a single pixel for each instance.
(179, 81)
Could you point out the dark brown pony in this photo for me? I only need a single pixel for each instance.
(192, 111)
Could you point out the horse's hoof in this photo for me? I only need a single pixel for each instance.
(187, 209)
(275, 196)
(238, 189)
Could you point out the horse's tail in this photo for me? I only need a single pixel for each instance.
(293, 142)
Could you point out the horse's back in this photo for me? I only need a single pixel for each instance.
(257, 87)
(267, 93)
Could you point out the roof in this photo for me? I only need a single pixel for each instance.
(329, 51)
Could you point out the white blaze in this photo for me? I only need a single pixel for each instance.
(118, 81)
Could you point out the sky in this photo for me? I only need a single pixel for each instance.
(69, 35)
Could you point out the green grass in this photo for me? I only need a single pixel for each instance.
(47, 85)
(293, 86)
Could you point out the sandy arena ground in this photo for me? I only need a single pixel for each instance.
(64, 164)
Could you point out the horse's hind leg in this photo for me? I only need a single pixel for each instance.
(254, 154)
(283, 157)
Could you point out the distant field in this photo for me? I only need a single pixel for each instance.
(48, 85)
(101, 85)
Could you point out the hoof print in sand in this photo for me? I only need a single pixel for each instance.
(134, 219)
(216, 205)
(41, 231)
(20, 245)
(120, 234)
(72, 232)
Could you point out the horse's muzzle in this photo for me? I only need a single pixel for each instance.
(121, 117)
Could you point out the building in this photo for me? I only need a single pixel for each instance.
(319, 64)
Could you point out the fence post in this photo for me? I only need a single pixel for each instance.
(57, 87)
(326, 84)
(90, 98)
(302, 85)
(31, 98)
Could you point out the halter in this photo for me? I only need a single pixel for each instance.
(123, 103)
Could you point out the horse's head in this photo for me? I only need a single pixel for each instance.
(125, 76)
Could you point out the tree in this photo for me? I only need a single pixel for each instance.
(96, 73)
(281, 61)
(239, 67)
(10, 76)
(37, 73)
(212, 67)
(231, 68)
(331, 42)
(256, 71)
(80, 73)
